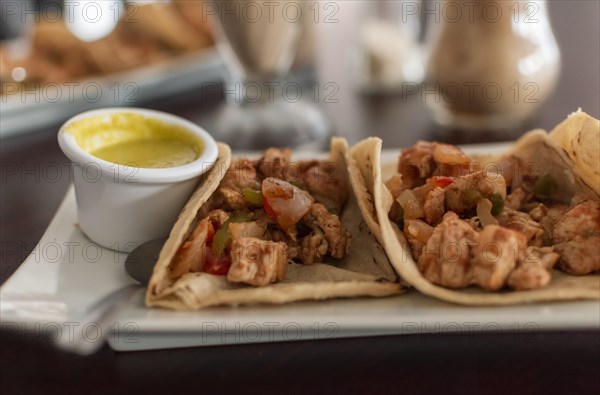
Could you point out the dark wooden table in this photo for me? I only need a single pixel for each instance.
(541, 362)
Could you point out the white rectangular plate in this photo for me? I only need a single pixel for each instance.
(67, 273)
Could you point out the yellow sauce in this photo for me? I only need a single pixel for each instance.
(148, 153)
(134, 140)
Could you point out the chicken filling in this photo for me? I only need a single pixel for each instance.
(493, 227)
(264, 215)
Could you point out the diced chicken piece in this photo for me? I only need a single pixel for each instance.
(417, 233)
(577, 239)
(433, 207)
(545, 257)
(516, 198)
(257, 262)
(275, 163)
(326, 182)
(247, 229)
(496, 255)
(232, 199)
(534, 269)
(215, 202)
(528, 277)
(549, 221)
(242, 174)
(417, 164)
(293, 247)
(218, 218)
(538, 212)
(522, 223)
(466, 191)
(556, 212)
(338, 238)
(313, 248)
(445, 260)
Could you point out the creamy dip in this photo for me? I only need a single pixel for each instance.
(135, 140)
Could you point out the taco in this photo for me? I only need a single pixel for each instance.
(271, 231)
(519, 227)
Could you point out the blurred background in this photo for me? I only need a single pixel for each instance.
(402, 70)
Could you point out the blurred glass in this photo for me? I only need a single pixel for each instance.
(259, 41)
(491, 63)
(389, 53)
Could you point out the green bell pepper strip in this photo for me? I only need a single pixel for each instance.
(222, 238)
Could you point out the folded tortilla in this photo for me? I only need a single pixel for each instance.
(562, 153)
(365, 271)
(578, 140)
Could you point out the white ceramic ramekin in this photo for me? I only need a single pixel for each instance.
(121, 207)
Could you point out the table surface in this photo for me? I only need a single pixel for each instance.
(545, 362)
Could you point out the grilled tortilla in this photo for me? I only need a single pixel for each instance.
(364, 269)
(569, 154)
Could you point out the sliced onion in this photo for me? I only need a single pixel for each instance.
(289, 203)
(411, 204)
(484, 212)
(395, 185)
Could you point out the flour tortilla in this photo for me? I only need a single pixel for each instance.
(578, 139)
(535, 147)
(365, 271)
(570, 153)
